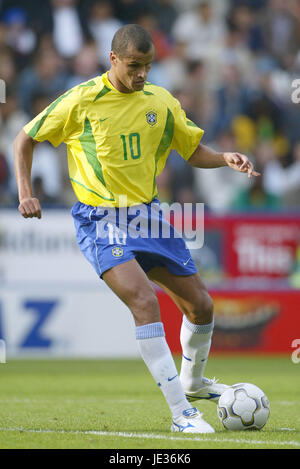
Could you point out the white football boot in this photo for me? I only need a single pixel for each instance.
(210, 390)
(191, 421)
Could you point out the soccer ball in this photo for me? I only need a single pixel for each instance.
(243, 406)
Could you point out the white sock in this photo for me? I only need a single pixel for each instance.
(195, 342)
(158, 358)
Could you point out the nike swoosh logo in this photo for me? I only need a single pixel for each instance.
(102, 120)
(183, 427)
(188, 359)
(173, 377)
(185, 263)
(210, 396)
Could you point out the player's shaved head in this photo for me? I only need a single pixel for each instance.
(131, 35)
(131, 57)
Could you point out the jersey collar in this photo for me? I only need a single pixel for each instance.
(107, 83)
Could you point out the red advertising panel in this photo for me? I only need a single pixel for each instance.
(249, 321)
(256, 246)
(252, 270)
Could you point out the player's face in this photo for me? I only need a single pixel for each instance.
(130, 71)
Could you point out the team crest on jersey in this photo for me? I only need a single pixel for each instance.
(117, 251)
(151, 117)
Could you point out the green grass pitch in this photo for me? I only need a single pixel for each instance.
(115, 404)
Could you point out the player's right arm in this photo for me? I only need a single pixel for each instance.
(29, 206)
(54, 124)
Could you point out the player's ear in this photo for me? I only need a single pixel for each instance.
(113, 57)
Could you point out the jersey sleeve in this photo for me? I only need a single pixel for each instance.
(55, 123)
(187, 135)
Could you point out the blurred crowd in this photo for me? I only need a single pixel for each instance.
(231, 64)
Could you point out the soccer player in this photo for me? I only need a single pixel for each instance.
(119, 130)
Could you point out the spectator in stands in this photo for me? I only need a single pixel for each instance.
(236, 51)
(164, 185)
(281, 32)
(68, 36)
(47, 75)
(174, 69)
(284, 181)
(128, 10)
(229, 63)
(166, 15)
(245, 20)
(5, 195)
(186, 98)
(163, 48)
(17, 34)
(46, 167)
(255, 4)
(8, 71)
(103, 25)
(85, 65)
(40, 192)
(231, 97)
(200, 31)
(12, 119)
(256, 199)
(263, 106)
(183, 185)
(196, 82)
(226, 184)
(149, 21)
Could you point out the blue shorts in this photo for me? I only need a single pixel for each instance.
(110, 236)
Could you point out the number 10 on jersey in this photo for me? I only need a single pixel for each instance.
(133, 143)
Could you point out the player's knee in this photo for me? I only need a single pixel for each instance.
(201, 312)
(145, 308)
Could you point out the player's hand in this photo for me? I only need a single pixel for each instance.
(30, 208)
(241, 163)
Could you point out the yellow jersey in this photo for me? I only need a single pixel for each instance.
(117, 142)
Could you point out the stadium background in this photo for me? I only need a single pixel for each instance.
(232, 65)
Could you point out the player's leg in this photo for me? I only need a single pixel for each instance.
(193, 299)
(129, 282)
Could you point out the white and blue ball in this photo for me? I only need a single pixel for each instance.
(243, 406)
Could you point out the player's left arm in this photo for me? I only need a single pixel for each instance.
(205, 157)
